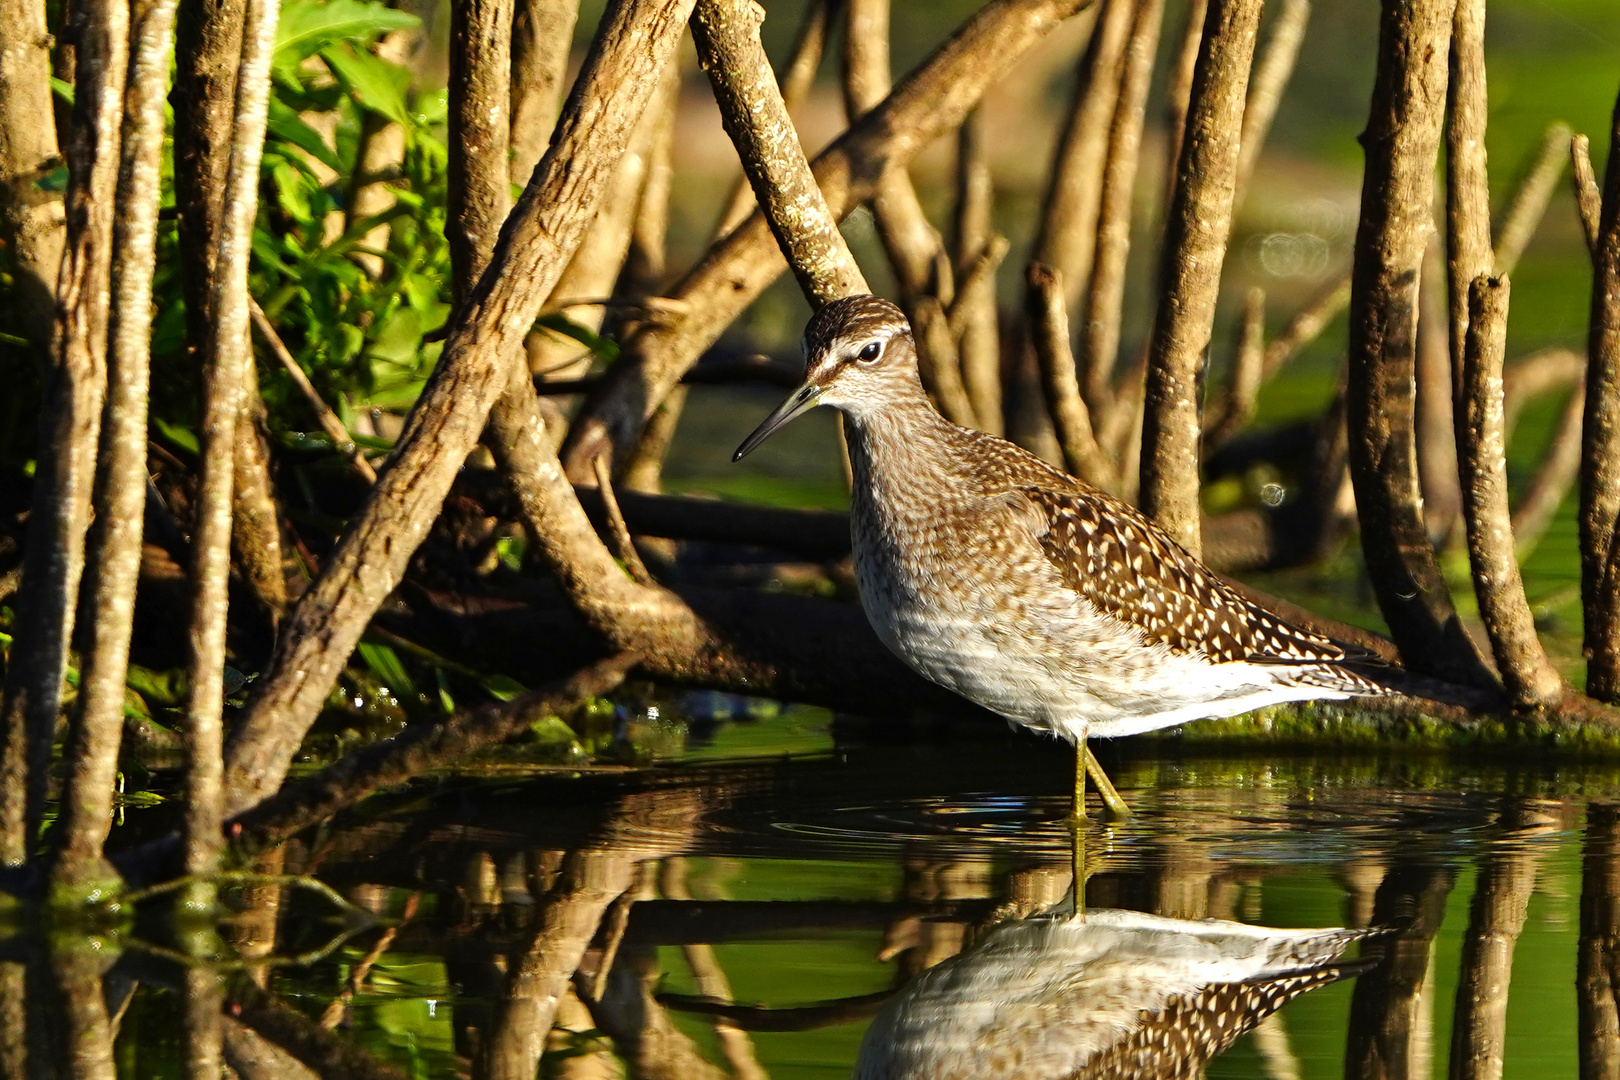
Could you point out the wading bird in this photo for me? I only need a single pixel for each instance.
(1025, 590)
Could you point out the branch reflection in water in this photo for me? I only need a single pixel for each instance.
(732, 920)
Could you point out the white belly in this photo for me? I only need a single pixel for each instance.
(1046, 659)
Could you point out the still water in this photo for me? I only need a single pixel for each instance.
(898, 907)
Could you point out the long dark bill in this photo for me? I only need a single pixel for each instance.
(800, 401)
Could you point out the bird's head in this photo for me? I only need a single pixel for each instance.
(859, 354)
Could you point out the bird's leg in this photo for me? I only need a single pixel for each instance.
(1117, 810)
(1077, 808)
(1078, 855)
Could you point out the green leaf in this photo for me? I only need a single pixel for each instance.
(384, 663)
(289, 127)
(308, 26)
(374, 83)
(504, 687)
(62, 89)
(433, 108)
(562, 324)
(183, 437)
(290, 192)
(164, 687)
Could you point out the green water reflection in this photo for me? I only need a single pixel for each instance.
(754, 914)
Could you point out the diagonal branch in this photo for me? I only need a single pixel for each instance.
(481, 351)
(932, 100)
(756, 118)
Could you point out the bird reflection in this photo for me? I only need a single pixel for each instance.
(1110, 994)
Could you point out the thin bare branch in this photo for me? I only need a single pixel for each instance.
(1433, 412)
(1525, 670)
(1468, 196)
(1588, 196)
(599, 260)
(1600, 450)
(937, 363)
(542, 34)
(1102, 306)
(1049, 334)
(1530, 198)
(932, 100)
(644, 262)
(1539, 373)
(1544, 492)
(974, 319)
(1402, 141)
(1178, 94)
(320, 796)
(480, 191)
(121, 486)
(912, 244)
(796, 81)
(1190, 275)
(230, 352)
(751, 106)
(1306, 326)
(981, 272)
(618, 529)
(329, 420)
(70, 423)
(31, 220)
(1243, 385)
(209, 45)
(644, 471)
(1271, 74)
(255, 518)
(1068, 227)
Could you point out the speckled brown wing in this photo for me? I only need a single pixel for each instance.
(1125, 565)
(1177, 1042)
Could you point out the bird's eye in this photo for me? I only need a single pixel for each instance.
(870, 351)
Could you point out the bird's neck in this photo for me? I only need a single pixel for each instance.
(900, 445)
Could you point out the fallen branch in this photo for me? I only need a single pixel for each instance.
(321, 796)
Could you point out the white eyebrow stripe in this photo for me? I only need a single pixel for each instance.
(825, 366)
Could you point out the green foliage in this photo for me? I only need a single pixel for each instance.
(359, 337)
